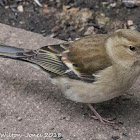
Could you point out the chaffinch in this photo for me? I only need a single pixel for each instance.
(92, 69)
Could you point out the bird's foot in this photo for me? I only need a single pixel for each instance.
(101, 119)
(109, 121)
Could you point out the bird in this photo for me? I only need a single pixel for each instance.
(90, 70)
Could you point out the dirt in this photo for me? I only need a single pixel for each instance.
(45, 20)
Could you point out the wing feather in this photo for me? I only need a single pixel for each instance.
(81, 59)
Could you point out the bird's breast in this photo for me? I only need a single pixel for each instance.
(108, 86)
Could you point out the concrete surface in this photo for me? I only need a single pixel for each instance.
(31, 107)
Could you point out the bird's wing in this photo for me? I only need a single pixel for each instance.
(79, 60)
(88, 54)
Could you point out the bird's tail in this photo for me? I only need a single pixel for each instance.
(47, 57)
(12, 52)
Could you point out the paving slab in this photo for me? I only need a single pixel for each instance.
(31, 107)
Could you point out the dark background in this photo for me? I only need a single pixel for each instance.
(64, 18)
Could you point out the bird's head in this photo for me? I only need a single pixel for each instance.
(123, 47)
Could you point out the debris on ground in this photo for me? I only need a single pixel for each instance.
(70, 19)
(131, 3)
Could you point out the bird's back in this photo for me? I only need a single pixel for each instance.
(89, 53)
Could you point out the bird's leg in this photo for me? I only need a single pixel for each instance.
(97, 116)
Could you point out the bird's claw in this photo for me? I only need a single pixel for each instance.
(108, 121)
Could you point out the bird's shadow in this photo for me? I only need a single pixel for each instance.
(123, 108)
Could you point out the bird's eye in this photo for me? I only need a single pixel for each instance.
(132, 48)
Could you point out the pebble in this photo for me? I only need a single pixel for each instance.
(125, 135)
(43, 30)
(20, 8)
(19, 118)
(115, 137)
(102, 20)
(54, 29)
(129, 3)
(22, 22)
(132, 27)
(38, 3)
(89, 30)
(6, 7)
(130, 23)
(68, 118)
(112, 5)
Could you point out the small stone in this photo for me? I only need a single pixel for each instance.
(52, 36)
(130, 3)
(132, 27)
(67, 118)
(104, 3)
(102, 20)
(89, 30)
(54, 29)
(102, 14)
(22, 22)
(45, 6)
(52, 128)
(125, 135)
(73, 10)
(43, 31)
(86, 14)
(130, 23)
(19, 118)
(6, 7)
(64, 8)
(20, 8)
(115, 137)
(112, 5)
(38, 3)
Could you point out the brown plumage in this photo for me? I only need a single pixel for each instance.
(89, 54)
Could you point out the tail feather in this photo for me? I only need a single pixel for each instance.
(48, 57)
(9, 51)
